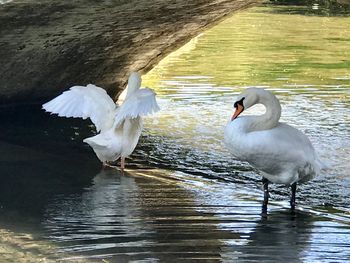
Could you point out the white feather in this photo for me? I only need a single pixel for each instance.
(141, 103)
(85, 102)
(120, 127)
(107, 145)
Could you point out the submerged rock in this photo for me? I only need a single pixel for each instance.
(49, 46)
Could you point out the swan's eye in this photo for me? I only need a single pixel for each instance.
(239, 102)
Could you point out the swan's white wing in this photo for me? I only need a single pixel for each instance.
(141, 103)
(85, 102)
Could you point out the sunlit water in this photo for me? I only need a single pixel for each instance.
(5, 1)
(304, 60)
(185, 197)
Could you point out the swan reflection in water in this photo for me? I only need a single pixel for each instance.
(96, 212)
(132, 218)
(280, 237)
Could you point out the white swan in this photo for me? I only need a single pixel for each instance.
(282, 153)
(119, 127)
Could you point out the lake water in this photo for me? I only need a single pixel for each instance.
(184, 197)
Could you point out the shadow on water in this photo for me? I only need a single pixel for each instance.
(40, 159)
(30, 178)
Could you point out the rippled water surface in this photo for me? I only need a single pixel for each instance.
(184, 197)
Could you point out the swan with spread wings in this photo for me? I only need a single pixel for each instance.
(119, 126)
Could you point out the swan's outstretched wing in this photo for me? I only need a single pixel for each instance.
(141, 103)
(85, 102)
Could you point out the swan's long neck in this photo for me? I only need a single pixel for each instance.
(272, 115)
(134, 84)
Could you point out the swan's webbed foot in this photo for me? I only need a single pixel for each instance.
(266, 197)
(292, 199)
(107, 164)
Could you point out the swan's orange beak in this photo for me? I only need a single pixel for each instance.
(239, 110)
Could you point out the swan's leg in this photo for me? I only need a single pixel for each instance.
(266, 195)
(292, 199)
(122, 163)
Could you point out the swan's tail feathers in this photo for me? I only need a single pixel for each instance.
(97, 141)
(311, 170)
(102, 147)
(315, 169)
(84, 102)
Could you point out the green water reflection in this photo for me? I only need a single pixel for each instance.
(259, 47)
(303, 59)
